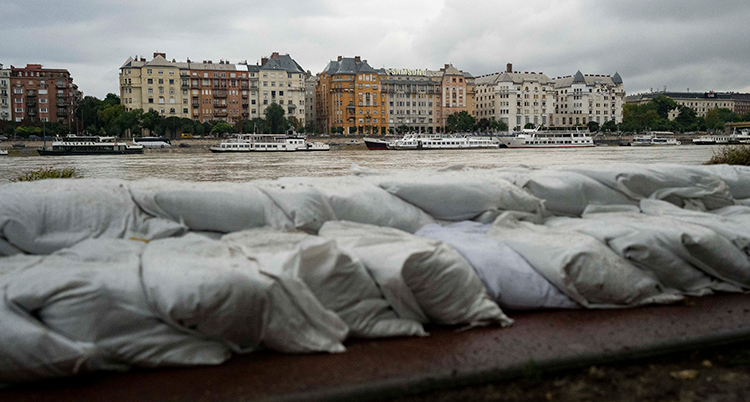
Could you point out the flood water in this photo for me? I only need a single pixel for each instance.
(200, 165)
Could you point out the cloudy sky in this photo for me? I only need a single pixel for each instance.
(679, 44)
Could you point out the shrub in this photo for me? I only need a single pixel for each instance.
(731, 155)
(49, 173)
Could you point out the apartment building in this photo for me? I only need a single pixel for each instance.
(458, 93)
(348, 95)
(582, 98)
(700, 102)
(516, 98)
(6, 111)
(310, 83)
(414, 98)
(282, 81)
(253, 74)
(203, 91)
(40, 94)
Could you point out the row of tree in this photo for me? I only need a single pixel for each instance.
(655, 116)
(108, 117)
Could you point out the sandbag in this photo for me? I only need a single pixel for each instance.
(29, 351)
(357, 200)
(580, 266)
(735, 176)
(230, 207)
(209, 289)
(455, 195)
(40, 217)
(510, 281)
(684, 186)
(422, 279)
(336, 277)
(92, 293)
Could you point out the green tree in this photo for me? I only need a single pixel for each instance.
(498, 125)
(402, 129)
(222, 127)
(593, 126)
(461, 122)
(663, 105)
(483, 124)
(686, 118)
(276, 123)
(529, 126)
(609, 126)
(110, 117)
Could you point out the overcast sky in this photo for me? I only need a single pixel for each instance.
(680, 44)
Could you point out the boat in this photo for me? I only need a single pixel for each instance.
(89, 145)
(375, 144)
(705, 140)
(743, 137)
(268, 143)
(716, 140)
(153, 142)
(3, 152)
(442, 141)
(655, 138)
(533, 138)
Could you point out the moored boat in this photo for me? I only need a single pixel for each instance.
(655, 138)
(89, 145)
(375, 144)
(533, 138)
(442, 141)
(268, 143)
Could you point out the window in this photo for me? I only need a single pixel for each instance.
(150, 81)
(148, 71)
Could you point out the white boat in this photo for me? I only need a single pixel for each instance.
(268, 143)
(715, 140)
(3, 152)
(442, 141)
(655, 138)
(89, 145)
(743, 137)
(153, 142)
(533, 138)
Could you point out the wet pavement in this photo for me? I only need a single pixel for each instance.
(450, 357)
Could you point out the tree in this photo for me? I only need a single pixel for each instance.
(609, 126)
(529, 126)
(498, 125)
(110, 117)
(402, 129)
(483, 124)
(593, 126)
(461, 121)
(222, 127)
(686, 117)
(275, 121)
(663, 105)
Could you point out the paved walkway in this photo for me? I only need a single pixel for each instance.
(372, 370)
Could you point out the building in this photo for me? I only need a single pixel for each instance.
(282, 81)
(204, 91)
(515, 98)
(580, 99)
(42, 95)
(253, 74)
(6, 111)
(458, 94)
(310, 83)
(348, 95)
(414, 99)
(700, 102)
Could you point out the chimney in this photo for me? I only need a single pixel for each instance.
(447, 65)
(357, 59)
(339, 58)
(275, 55)
(263, 61)
(509, 68)
(164, 55)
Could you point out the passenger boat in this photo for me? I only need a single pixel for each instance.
(716, 140)
(442, 141)
(655, 138)
(3, 152)
(268, 143)
(153, 142)
(375, 144)
(743, 137)
(533, 138)
(89, 145)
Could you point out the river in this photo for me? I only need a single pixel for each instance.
(202, 165)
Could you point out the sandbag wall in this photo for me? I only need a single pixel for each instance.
(110, 274)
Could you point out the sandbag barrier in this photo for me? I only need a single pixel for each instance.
(111, 274)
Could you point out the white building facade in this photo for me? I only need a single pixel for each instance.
(581, 99)
(6, 111)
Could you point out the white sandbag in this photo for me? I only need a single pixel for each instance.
(357, 200)
(92, 293)
(510, 281)
(456, 195)
(732, 229)
(653, 249)
(40, 217)
(735, 176)
(230, 207)
(336, 277)
(684, 186)
(580, 266)
(422, 279)
(209, 289)
(29, 351)
(700, 246)
(567, 193)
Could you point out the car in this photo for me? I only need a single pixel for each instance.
(33, 137)
(184, 145)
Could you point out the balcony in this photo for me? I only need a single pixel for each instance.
(220, 114)
(220, 94)
(244, 96)
(31, 112)
(31, 103)
(245, 105)
(185, 84)
(61, 85)
(31, 94)
(62, 113)
(195, 105)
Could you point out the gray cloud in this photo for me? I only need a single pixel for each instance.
(680, 44)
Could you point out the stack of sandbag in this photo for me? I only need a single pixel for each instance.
(336, 277)
(736, 177)
(41, 217)
(455, 193)
(579, 265)
(510, 281)
(423, 279)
